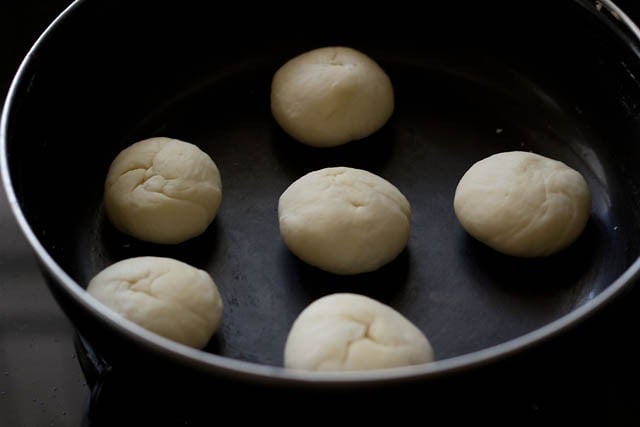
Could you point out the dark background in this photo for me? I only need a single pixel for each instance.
(589, 376)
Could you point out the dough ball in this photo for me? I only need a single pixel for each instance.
(162, 190)
(330, 96)
(343, 220)
(523, 204)
(163, 295)
(348, 332)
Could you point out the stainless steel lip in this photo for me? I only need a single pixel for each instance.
(277, 375)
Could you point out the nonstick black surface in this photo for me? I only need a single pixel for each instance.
(464, 296)
(493, 82)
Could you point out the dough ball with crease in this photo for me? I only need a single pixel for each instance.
(344, 220)
(163, 295)
(348, 332)
(330, 96)
(162, 190)
(523, 204)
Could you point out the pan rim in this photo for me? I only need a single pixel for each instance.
(259, 373)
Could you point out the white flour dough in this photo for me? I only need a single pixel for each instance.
(162, 190)
(163, 295)
(344, 220)
(346, 332)
(330, 96)
(523, 204)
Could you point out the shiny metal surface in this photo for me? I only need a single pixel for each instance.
(41, 383)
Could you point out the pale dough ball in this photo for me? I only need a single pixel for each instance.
(330, 96)
(344, 220)
(163, 295)
(348, 332)
(523, 204)
(162, 190)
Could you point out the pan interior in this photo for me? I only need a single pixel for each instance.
(458, 100)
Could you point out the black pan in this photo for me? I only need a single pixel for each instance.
(557, 79)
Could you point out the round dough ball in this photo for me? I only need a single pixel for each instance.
(163, 295)
(523, 204)
(348, 332)
(330, 96)
(344, 220)
(162, 190)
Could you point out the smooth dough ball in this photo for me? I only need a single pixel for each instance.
(162, 190)
(330, 96)
(344, 220)
(523, 204)
(348, 332)
(163, 295)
